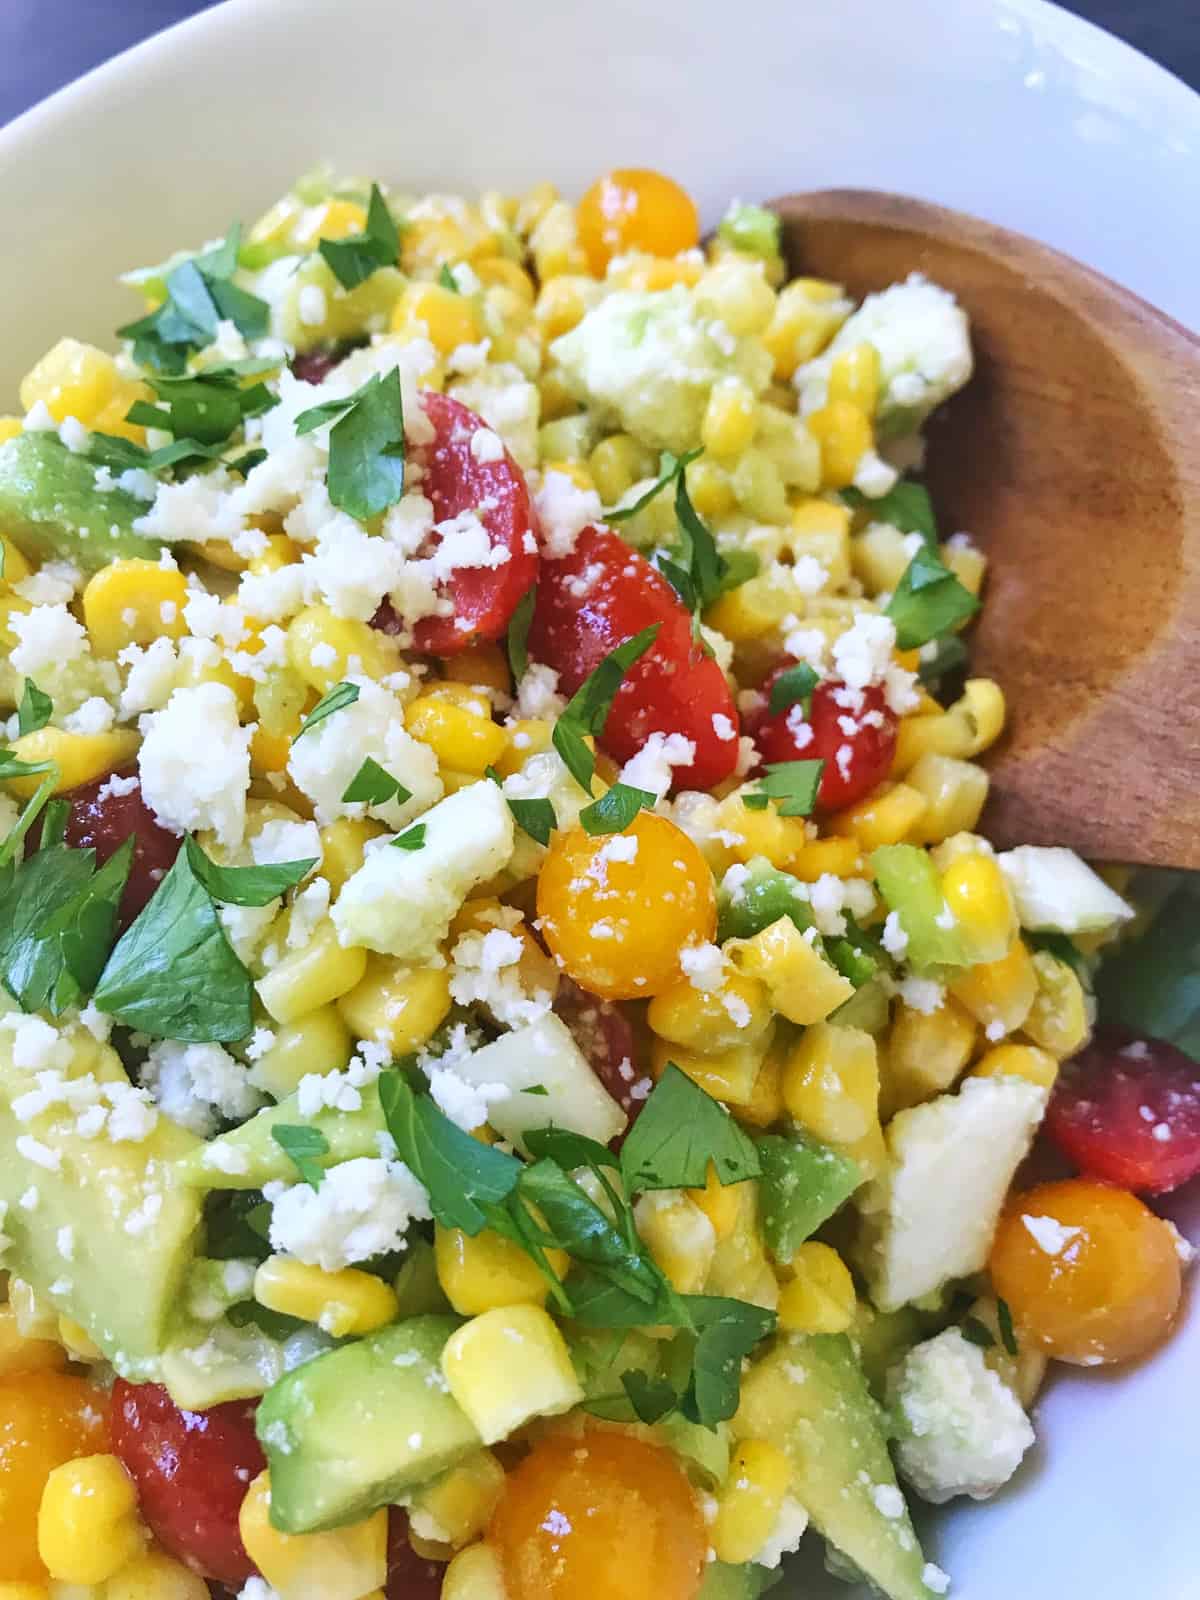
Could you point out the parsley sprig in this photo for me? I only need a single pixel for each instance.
(353, 260)
(366, 445)
(792, 785)
(200, 293)
(929, 601)
(586, 712)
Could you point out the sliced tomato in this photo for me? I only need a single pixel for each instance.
(855, 738)
(409, 1576)
(191, 1470)
(484, 598)
(1128, 1110)
(594, 599)
(102, 818)
(605, 1035)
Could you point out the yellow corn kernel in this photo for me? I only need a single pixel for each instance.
(80, 757)
(954, 793)
(280, 552)
(739, 1266)
(30, 1591)
(730, 417)
(710, 488)
(831, 1087)
(87, 1522)
(269, 752)
(484, 1271)
(319, 1042)
(460, 1502)
(449, 318)
(844, 434)
(719, 1203)
(761, 833)
(77, 380)
(399, 1006)
(324, 649)
(474, 1574)
(554, 243)
(803, 986)
(1018, 1061)
(1059, 1018)
(885, 816)
(711, 1019)
(461, 739)
(563, 302)
(21, 1353)
(344, 849)
(736, 293)
(329, 219)
(821, 529)
(649, 274)
(34, 1314)
(305, 979)
(854, 377)
(482, 666)
(752, 610)
(999, 994)
(947, 733)
(154, 1575)
(508, 1365)
(765, 1105)
(679, 1235)
(10, 427)
(340, 1564)
(840, 856)
(924, 1054)
(527, 736)
(807, 315)
(1023, 1372)
(617, 463)
(727, 1075)
(342, 1303)
(983, 701)
(819, 1294)
(16, 568)
(879, 556)
(968, 564)
(133, 602)
(977, 893)
(498, 270)
(76, 1341)
(750, 1500)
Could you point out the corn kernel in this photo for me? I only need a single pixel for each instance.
(80, 757)
(886, 816)
(1059, 1019)
(879, 556)
(710, 488)
(462, 1500)
(999, 994)
(719, 1203)
(554, 243)
(21, 1353)
(841, 857)
(400, 1007)
(344, 849)
(78, 380)
(340, 1564)
(154, 1575)
(496, 270)
(737, 294)
(280, 552)
(324, 649)
(954, 793)
(448, 318)
(968, 564)
(739, 1265)
(761, 833)
(727, 1075)
(807, 315)
(679, 1235)
(819, 1295)
(482, 666)
(330, 219)
(831, 1087)
(563, 302)
(87, 1522)
(16, 569)
(711, 1019)
(730, 418)
(977, 892)
(1018, 1061)
(10, 427)
(854, 377)
(802, 984)
(844, 434)
(759, 487)
(133, 602)
(461, 739)
(474, 1574)
(765, 1105)
(34, 1314)
(508, 1365)
(752, 610)
(617, 463)
(308, 978)
(17, 1590)
(484, 1271)
(319, 1042)
(948, 733)
(77, 1342)
(341, 1303)
(983, 701)
(750, 1500)
(924, 1054)
(821, 529)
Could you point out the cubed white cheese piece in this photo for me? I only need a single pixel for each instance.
(930, 1216)
(1056, 891)
(195, 763)
(325, 761)
(400, 902)
(961, 1430)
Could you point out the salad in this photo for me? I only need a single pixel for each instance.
(516, 1060)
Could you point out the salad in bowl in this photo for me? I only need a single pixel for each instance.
(517, 1061)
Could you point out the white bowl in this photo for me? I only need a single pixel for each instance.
(1008, 108)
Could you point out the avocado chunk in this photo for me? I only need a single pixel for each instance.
(352, 1430)
(249, 1156)
(764, 896)
(102, 1226)
(803, 1183)
(747, 1582)
(50, 507)
(808, 1396)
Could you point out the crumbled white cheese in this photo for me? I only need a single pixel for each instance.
(486, 972)
(195, 763)
(153, 672)
(652, 768)
(326, 760)
(54, 583)
(537, 693)
(703, 966)
(563, 511)
(894, 938)
(197, 1085)
(925, 995)
(94, 716)
(47, 637)
(1050, 1235)
(362, 1209)
(791, 1523)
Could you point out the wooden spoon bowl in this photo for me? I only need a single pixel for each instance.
(1073, 459)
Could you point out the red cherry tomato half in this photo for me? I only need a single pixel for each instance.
(593, 600)
(409, 1576)
(605, 1035)
(1128, 1110)
(102, 819)
(855, 741)
(484, 598)
(192, 1470)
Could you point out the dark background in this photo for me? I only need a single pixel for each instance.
(46, 43)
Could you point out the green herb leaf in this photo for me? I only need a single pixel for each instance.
(414, 839)
(199, 294)
(792, 785)
(246, 886)
(976, 1332)
(58, 915)
(54, 823)
(929, 601)
(587, 710)
(237, 1224)
(569, 1149)
(536, 1088)
(705, 565)
(598, 1303)
(173, 973)
(461, 1175)
(447, 279)
(245, 464)
(518, 633)
(793, 687)
(336, 699)
(907, 507)
(11, 767)
(616, 809)
(303, 1146)
(1152, 984)
(366, 450)
(534, 817)
(374, 785)
(950, 654)
(679, 1131)
(353, 260)
(670, 467)
(1008, 1335)
(35, 709)
(729, 1330)
(576, 1224)
(651, 1398)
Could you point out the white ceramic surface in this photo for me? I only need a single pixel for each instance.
(1008, 108)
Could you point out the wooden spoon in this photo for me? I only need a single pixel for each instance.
(1073, 459)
